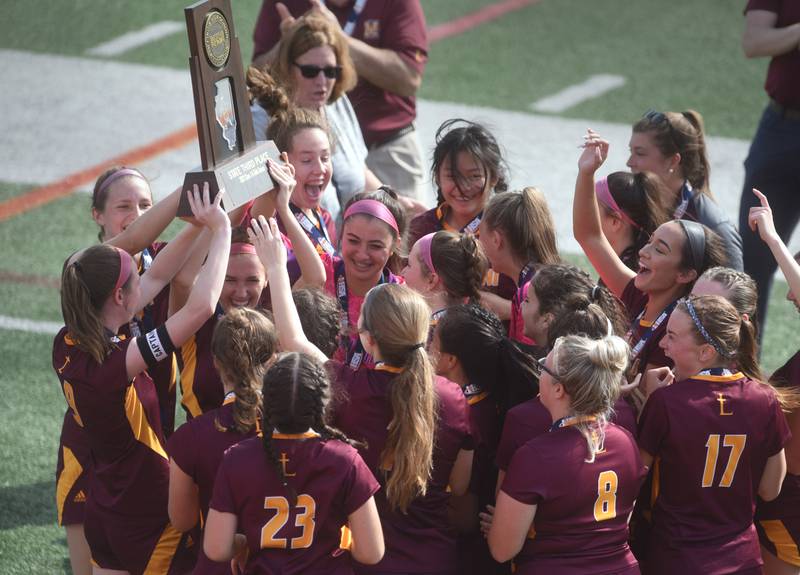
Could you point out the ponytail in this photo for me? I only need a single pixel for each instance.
(460, 263)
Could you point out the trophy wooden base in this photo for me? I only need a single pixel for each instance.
(243, 178)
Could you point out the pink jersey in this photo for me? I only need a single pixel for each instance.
(330, 481)
(581, 522)
(421, 540)
(711, 436)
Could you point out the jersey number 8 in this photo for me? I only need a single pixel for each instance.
(304, 519)
(605, 507)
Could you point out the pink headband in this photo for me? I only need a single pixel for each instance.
(242, 248)
(375, 209)
(125, 267)
(117, 175)
(424, 244)
(604, 195)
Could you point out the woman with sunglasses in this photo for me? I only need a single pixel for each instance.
(575, 486)
(672, 145)
(313, 65)
(715, 440)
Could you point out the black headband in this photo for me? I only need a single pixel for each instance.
(696, 236)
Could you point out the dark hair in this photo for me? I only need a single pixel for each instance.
(243, 342)
(459, 261)
(320, 317)
(477, 338)
(641, 197)
(680, 133)
(87, 280)
(578, 315)
(100, 194)
(388, 197)
(554, 284)
(474, 139)
(296, 393)
(525, 221)
(714, 254)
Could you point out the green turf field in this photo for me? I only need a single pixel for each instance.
(675, 55)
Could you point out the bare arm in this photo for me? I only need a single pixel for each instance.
(367, 546)
(219, 537)
(512, 520)
(385, 68)
(760, 220)
(771, 480)
(461, 472)
(181, 285)
(184, 500)
(145, 230)
(761, 38)
(586, 225)
(500, 306)
(272, 253)
(371, 181)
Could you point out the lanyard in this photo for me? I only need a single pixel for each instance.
(350, 25)
(717, 371)
(571, 420)
(473, 227)
(686, 196)
(637, 349)
(354, 350)
(524, 277)
(317, 234)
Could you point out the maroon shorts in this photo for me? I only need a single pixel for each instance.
(778, 522)
(72, 473)
(137, 545)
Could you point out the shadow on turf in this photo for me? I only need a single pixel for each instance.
(32, 504)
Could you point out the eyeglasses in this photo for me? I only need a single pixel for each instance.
(540, 367)
(309, 71)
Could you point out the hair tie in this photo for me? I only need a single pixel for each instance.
(696, 236)
(605, 197)
(703, 332)
(375, 209)
(125, 268)
(424, 244)
(116, 176)
(417, 346)
(593, 293)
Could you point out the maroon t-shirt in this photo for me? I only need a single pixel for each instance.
(130, 470)
(531, 419)
(581, 522)
(201, 386)
(420, 540)
(783, 75)
(397, 25)
(635, 302)
(330, 480)
(711, 436)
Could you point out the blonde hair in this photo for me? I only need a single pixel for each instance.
(526, 223)
(397, 318)
(591, 371)
(244, 340)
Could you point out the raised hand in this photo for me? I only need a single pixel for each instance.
(208, 213)
(287, 20)
(267, 239)
(595, 152)
(283, 175)
(320, 7)
(760, 219)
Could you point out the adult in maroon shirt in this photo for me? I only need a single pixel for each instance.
(772, 29)
(714, 438)
(244, 341)
(281, 501)
(111, 396)
(565, 501)
(415, 426)
(388, 43)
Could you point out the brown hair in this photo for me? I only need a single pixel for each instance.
(580, 316)
(320, 317)
(243, 342)
(100, 194)
(680, 133)
(397, 318)
(388, 197)
(525, 221)
(87, 280)
(714, 254)
(308, 32)
(459, 261)
(742, 289)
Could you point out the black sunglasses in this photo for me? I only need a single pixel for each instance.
(539, 366)
(309, 71)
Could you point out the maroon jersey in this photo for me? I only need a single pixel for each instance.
(711, 436)
(201, 386)
(783, 74)
(581, 522)
(531, 419)
(72, 471)
(330, 480)
(420, 540)
(642, 334)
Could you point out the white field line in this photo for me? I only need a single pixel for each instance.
(592, 87)
(137, 38)
(29, 325)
